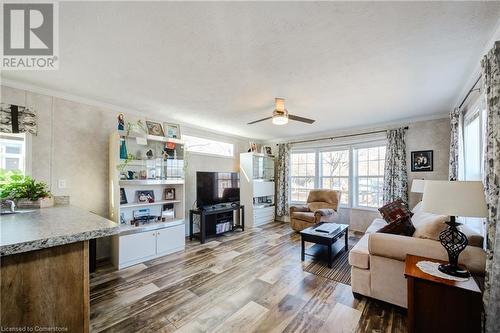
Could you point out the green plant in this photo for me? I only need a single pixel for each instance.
(16, 186)
(125, 162)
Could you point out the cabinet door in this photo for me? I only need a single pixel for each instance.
(136, 247)
(170, 239)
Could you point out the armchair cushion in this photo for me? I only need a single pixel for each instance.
(304, 216)
(298, 208)
(324, 212)
(319, 199)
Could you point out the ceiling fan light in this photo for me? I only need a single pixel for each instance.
(280, 104)
(280, 119)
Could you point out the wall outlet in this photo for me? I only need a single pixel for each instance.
(61, 183)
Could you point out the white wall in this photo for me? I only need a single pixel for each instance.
(72, 144)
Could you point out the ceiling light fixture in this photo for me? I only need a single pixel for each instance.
(280, 114)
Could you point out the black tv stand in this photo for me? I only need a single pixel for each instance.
(202, 235)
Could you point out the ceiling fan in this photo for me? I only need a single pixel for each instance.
(280, 115)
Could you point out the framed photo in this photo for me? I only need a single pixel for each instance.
(170, 194)
(172, 130)
(253, 147)
(123, 196)
(422, 161)
(268, 150)
(145, 196)
(154, 128)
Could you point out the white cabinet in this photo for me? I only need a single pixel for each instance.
(136, 247)
(137, 242)
(257, 188)
(170, 240)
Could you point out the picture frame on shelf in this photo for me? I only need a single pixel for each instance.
(422, 161)
(145, 196)
(170, 193)
(253, 147)
(172, 131)
(154, 128)
(123, 196)
(268, 150)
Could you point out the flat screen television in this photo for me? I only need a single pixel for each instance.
(215, 188)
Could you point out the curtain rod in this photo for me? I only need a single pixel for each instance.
(469, 92)
(340, 136)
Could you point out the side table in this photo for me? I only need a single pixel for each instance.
(441, 305)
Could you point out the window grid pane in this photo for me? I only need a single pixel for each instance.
(303, 173)
(370, 176)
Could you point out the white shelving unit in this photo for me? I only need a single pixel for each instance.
(257, 190)
(135, 244)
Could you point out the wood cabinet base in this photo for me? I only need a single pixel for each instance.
(441, 305)
(46, 288)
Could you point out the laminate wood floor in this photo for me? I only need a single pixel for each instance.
(250, 281)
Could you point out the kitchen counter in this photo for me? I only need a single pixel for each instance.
(48, 227)
(45, 267)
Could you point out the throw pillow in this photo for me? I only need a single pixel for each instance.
(395, 211)
(428, 225)
(400, 227)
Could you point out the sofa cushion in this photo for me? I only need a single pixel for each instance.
(399, 227)
(359, 255)
(376, 225)
(428, 225)
(304, 216)
(395, 211)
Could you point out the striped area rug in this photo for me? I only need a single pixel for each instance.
(340, 271)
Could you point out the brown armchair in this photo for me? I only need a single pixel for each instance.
(321, 206)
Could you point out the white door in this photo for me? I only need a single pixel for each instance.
(137, 247)
(170, 239)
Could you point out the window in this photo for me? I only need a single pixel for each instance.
(13, 152)
(207, 146)
(357, 172)
(302, 175)
(335, 172)
(370, 176)
(474, 132)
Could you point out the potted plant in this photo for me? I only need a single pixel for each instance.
(24, 191)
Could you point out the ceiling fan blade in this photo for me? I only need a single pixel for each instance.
(302, 119)
(258, 121)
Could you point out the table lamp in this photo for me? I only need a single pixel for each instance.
(417, 186)
(454, 198)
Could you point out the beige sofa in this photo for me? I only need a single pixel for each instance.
(321, 206)
(377, 261)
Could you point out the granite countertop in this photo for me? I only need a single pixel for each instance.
(48, 227)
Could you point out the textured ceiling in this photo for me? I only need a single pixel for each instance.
(219, 65)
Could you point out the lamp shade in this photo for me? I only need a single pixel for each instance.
(454, 198)
(417, 185)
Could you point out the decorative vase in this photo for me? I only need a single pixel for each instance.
(123, 149)
(40, 203)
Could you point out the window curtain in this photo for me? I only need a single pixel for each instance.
(283, 173)
(17, 119)
(395, 173)
(491, 81)
(456, 165)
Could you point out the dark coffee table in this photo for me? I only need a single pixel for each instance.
(326, 246)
